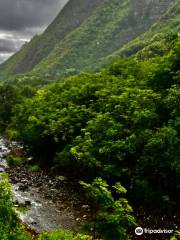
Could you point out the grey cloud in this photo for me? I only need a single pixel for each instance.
(4, 56)
(9, 45)
(21, 14)
(6, 46)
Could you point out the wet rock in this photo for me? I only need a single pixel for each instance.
(23, 187)
(16, 203)
(27, 203)
(29, 159)
(22, 204)
(34, 223)
(61, 178)
(1, 170)
(85, 207)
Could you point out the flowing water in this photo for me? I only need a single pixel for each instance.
(51, 203)
(43, 214)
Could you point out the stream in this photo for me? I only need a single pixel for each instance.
(50, 203)
(53, 202)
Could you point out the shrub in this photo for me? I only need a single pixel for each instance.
(113, 215)
(10, 228)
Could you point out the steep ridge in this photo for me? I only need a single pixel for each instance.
(155, 41)
(71, 16)
(85, 34)
(111, 26)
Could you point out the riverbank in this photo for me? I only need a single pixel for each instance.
(53, 203)
(49, 202)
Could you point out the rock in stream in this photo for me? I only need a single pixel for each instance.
(49, 203)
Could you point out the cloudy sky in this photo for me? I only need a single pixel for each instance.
(21, 19)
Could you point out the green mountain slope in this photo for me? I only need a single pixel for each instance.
(155, 41)
(72, 16)
(88, 34)
(111, 26)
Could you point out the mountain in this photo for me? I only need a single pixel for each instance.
(88, 34)
(72, 16)
(154, 42)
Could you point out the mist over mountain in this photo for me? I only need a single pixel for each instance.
(87, 35)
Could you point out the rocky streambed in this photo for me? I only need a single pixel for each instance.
(44, 202)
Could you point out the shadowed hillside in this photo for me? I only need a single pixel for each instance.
(85, 34)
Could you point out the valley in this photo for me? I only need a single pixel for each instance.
(90, 119)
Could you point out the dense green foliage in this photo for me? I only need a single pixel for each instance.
(10, 228)
(62, 235)
(122, 123)
(9, 96)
